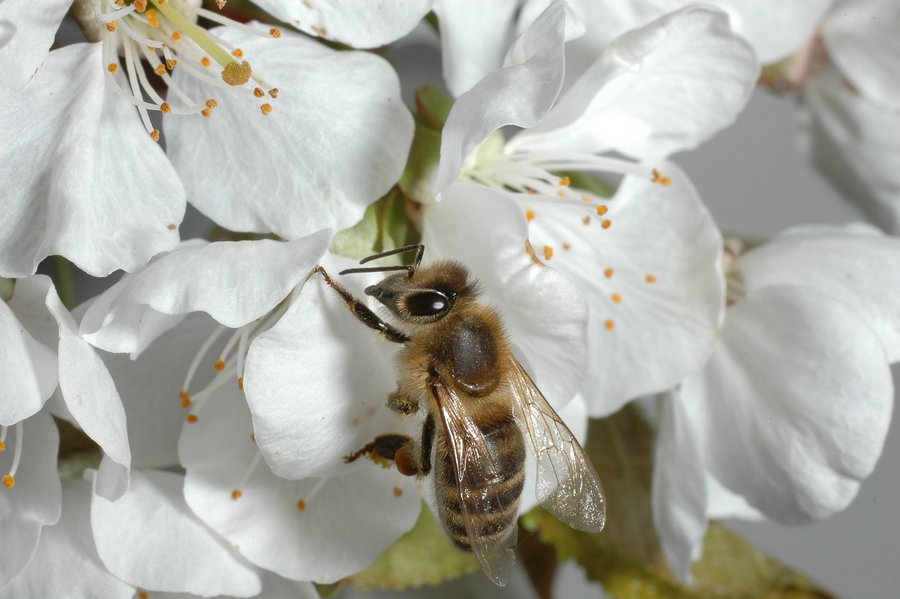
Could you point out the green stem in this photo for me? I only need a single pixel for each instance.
(65, 282)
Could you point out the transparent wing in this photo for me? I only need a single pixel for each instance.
(475, 463)
(567, 484)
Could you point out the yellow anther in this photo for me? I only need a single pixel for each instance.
(237, 74)
(176, 35)
(171, 226)
(241, 387)
(237, 53)
(236, 494)
(192, 418)
(602, 209)
(154, 135)
(275, 32)
(112, 67)
(165, 107)
(2, 446)
(9, 481)
(301, 504)
(143, 595)
(170, 64)
(207, 112)
(258, 92)
(185, 398)
(119, 3)
(567, 246)
(586, 221)
(616, 298)
(205, 61)
(152, 18)
(111, 26)
(610, 325)
(606, 224)
(565, 182)
(561, 193)
(548, 252)
(587, 199)
(139, 5)
(650, 278)
(266, 108)
(211, 102)
(219, 365)
(160, 70)
(661, 179)
(608, 273)
(529, 215)
(398, 492)
(273, 92)
(220, 4)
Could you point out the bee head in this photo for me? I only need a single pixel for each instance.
(428, 295)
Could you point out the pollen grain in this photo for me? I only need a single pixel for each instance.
(219, 365)
(9, 481)
(301, 504)
(192, 418)
(266, 108)
(660, 179)
(548, 252)
(236, 494)
(609, 324)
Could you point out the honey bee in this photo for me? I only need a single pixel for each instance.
(457, 362)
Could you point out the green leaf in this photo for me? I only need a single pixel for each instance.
(423, 556)
(626, 557)
(433, 106)
(358, 241)
(415, 182)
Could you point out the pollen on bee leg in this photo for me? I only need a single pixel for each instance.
(236, 494)
(548, 252)
(660, 179)
(219, 365)
(266, 108)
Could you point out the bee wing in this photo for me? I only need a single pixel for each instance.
(567, 484)
(474, 463)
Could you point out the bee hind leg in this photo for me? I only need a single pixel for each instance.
(400, 449)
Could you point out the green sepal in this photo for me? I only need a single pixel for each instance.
(423, 556)
(357, 241)
(433, 106)
(415, 182)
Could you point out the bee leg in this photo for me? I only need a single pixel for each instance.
(362, 311)
(389, 448)
(402, 404)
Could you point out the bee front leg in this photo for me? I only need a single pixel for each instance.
(362, 311)
(400, 449)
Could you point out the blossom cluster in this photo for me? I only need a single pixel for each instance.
(218, 384)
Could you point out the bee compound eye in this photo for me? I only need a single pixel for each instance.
(427, 303)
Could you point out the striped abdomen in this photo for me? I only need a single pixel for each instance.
(491, 500)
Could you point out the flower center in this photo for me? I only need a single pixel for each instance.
(163, 34)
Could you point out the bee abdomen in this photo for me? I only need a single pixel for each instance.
(491, 491)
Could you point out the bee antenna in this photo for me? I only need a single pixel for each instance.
(418, 247)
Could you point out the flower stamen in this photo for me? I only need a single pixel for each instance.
(9, 479)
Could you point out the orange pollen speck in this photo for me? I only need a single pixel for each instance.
(266, 108)
(606, 224)
(185, 399)
(241, 383)
(565, 182)
(9, 481)
(273, 92)
(586, 199)
(616, 298)
(301, 504)
(2, 446)
(586, 221)
(155, 134)
(206, 112)
(529, 215)
(561, 193)
(192, 418)
(176, 35)
(237, 53)
(650, 278)
(608, 273)
(258, 92)
(112, 67)
(610, 325)
(140, 5)
(119, 3)
(567, 246)
(602, 209)
(211, 103)
(160, 70)
(143, 595)
(236, 494)
(398, 491)
(205, 61)
(661, 179)
(152, 18)
(111, 26)
(165, 107)
(171, 226)
(219, 365)
(170, 64)
(548, 252)
(275, 32)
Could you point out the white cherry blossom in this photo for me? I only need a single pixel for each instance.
(792, 410)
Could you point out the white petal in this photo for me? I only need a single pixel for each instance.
(35, 500)
(722, 503)
(653, 281)
(519, 94)
(474, 38)
(858, 268)
(92, 400)
(856, 145)
(28, 371)
(234, 282)
(150, 539)
(679, 487)
(25, 38)
(84, 178)
(150, 388)
(795, 403)
(544, 314)
(66, 562)
(337, 398)
(341, 132)
(358, 23)
(346, 520)
(861, 37)
(664, 88)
